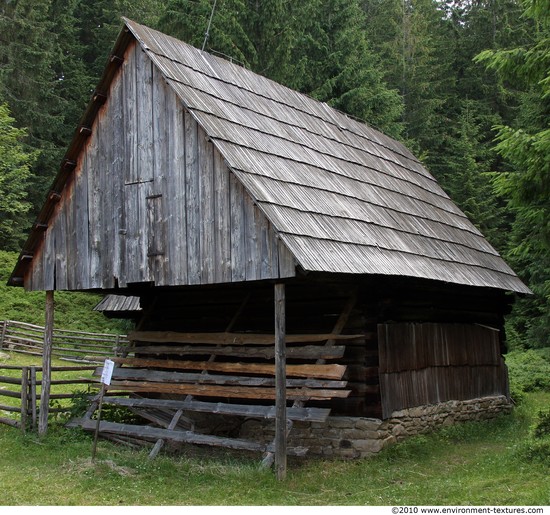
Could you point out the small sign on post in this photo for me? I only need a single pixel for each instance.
(106, 375)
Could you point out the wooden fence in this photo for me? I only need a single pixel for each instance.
(76, 346)
(20, 392)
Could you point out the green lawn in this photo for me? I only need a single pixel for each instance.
(483, 463)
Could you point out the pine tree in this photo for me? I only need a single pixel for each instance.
(343, 70)
(28, 84)
(15, 173)
(411, 39)
(525, 147)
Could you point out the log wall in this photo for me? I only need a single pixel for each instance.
(152, 201)
(445, 354)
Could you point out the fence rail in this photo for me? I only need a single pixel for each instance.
(21, 385)
(68, 345)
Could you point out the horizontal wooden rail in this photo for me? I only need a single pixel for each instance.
(23, 386)
(68, 344)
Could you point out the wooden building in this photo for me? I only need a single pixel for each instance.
(196, 185)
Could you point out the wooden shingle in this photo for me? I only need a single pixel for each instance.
(229, 177)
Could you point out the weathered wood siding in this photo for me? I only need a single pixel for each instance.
(152, 200)
(422, 364)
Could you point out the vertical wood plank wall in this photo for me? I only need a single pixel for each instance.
(428, 363)
(152, 200)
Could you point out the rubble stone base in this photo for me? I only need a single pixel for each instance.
(357, 437)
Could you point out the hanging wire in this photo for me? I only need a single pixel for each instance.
(207, 33)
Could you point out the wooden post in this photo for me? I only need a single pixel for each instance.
(33, 397)
(46, 365)
(3, 336)
(160, 442)
(24, 398)
(280, 382)
(98, 421)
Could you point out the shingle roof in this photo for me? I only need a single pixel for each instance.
(344, 197)
(117, 303)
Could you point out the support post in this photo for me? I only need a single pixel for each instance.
(280, 382)
(24, 398)
(98, 421)
(33, 397)
(46, 365)
(3, 336)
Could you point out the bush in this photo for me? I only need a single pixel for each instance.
(529, 370)
(541, 428)
(536, 450)
(537, 446)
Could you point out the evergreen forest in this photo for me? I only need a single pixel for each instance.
(465, 84)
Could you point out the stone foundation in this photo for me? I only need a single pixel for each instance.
(357, 437)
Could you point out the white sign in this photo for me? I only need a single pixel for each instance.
(107, 373)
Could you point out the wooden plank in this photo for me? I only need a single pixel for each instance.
(176, 193)
(306, 414)
(318, 371)
(10, 380)
(237, 237)
(205, 378)
(59, 236)
(104, 171)
(207, 221)
(225, 391)
(158, 244)
(116, 108)
(252, 242)
(162, 419)
(193, 205)
(223, 220)
(227, 338)
(153, 433)
(303, 352)
(144, 96)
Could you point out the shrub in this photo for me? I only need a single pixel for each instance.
(541, 428)
(536, 450)
(529, 370)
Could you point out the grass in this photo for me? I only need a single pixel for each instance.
(72, 310)
(485, 463)
(482, 463)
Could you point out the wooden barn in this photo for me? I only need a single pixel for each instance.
(284, 254)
